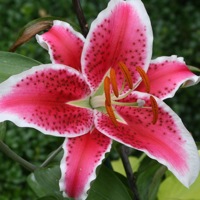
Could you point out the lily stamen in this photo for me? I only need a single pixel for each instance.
(113, 81)
(114, 97)
(132, 104)
(107, 90)
(127, 74)
(154, 107)
(124, 95)
(111, 113)
(144, 77)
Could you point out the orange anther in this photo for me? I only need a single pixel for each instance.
(127, 74)
(107, 90)
(111, 114)
(113, 81)
(144, 77)
(154, 106)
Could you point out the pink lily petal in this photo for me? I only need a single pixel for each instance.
(121, 32)
(63, 43)
(166, 75)
(81, 157)
(39, 98)
(167, 141)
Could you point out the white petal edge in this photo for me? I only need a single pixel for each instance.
(194, 159)
(6, 86)
(91, 178)
(63, 24)
(106, 12)
(186, 83)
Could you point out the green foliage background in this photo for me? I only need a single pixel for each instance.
(176, 27)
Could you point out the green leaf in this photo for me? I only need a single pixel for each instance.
(47, 198)
(2, 130)
(12, 63)
(108, 186)
(171, 188)
(198, 145)
(44, 182)
(118, 166)
(149, 177)
(194, 69)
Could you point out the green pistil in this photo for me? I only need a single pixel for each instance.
(83, 103)
(97, 101)
(131, 104)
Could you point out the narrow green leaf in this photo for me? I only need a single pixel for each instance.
(108, 186)
(194, 69)
(155, 183)
(149, 177)
(171, 188)
(44, 182)
(2, 130)
(12, 63)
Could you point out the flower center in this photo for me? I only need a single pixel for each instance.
(112, 95)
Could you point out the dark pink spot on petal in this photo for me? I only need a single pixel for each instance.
(166, 75)
(167, 141)
(121, 33)
(82, 155)
(64, 44)
(40, 98)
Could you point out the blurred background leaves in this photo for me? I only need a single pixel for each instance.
(176, 28)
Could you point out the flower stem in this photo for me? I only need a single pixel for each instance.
(81, 17)
(51, 157)
(124, 151)
(11, 154)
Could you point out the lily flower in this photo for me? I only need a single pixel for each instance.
(101, 88)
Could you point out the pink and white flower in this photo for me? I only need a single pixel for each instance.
(101, 88)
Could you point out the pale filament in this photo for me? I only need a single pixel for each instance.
(111, 98)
